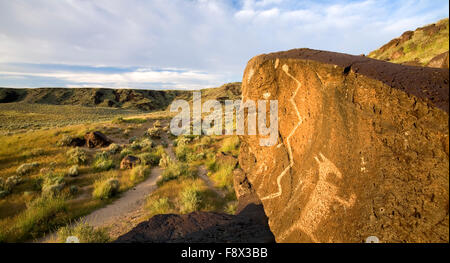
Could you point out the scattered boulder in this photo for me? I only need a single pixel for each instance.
(129, 162)
(96, 139)
(77, 142)
(68, 140)
(360, 151)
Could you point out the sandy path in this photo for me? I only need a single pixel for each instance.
(202, 171)
(130, 201)
(203, 174)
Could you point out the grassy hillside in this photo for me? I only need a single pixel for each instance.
(143, 100)
(22, 110)
(416, 47)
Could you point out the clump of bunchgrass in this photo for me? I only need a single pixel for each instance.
(159, 206)
(113, 149)
(105, 188)
(176, 170)
(190, 199)
(84, 232)
(77, 156)
(138, 173)
(231, 145)
(73, 171)
(102, 162)
(39, 216)
(27, 168)
(152, 157)
(164, 161)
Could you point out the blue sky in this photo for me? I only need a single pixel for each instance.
(181, 44)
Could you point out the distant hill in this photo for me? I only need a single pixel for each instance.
(426, 46)
(144, 100)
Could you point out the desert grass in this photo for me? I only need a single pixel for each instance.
(84, 232)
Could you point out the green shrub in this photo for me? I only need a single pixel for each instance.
(120, 120)
(157, 124)
(138, 173)
(230, 145)
(154, 132)
(153, 157)
(125, 152)
(231, 208)
(103, 163)
(26, 168)
(135, 146)
(84, 232)
(73, 171)
(40, 216)
(160, 206)
(52, 184)
(210, 163)
(77, 156)
(164, 161)
(74, 189)
(182, 152)
(223, 177)
(190, 199)
(206, 140)
(113, 149)
(11, 182)
(176, 170)
(105, 188)
(65, 140)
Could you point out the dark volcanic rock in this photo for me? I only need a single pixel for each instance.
(362, 148)
(96, 139)
(129, 161)
(77, 142)
(249, 226)
(439, 61)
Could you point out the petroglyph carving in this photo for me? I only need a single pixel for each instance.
(320, 201)
(291, 159)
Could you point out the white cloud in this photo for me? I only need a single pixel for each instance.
(213, 37)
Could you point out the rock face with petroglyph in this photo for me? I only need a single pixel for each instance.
(363, 148)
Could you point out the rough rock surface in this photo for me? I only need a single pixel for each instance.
(248, 226)
(439, 61)
(363, 148)
(77, 142)
(129, 161)
(96, 139)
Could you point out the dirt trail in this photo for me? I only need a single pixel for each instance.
(202, 171)
(130, 201)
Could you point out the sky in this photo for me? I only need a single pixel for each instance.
(184, 44)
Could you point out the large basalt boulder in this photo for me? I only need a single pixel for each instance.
(96, 139)
(248, 226)
(439, 61)
(362, 148)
